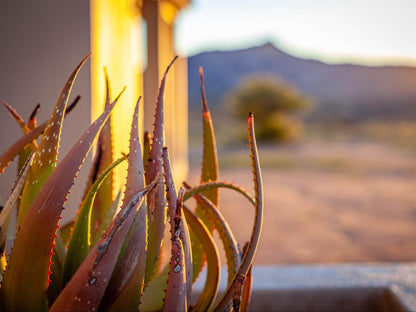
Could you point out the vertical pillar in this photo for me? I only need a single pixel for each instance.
(115, 44)
(160, 16)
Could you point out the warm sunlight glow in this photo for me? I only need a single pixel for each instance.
(115, 44)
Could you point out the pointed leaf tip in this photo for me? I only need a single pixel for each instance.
(203, 96)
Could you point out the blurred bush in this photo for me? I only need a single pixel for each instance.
(275, 104)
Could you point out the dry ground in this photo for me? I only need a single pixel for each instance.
(335, 201)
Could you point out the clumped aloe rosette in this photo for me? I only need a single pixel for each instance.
(109, 257)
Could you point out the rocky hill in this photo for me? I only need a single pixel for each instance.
(344, 91)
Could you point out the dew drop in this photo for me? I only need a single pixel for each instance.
(177, 268)
(92, 280)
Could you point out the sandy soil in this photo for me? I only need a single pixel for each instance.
(337, 202)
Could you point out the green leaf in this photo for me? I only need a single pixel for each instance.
(80, 242)
(25, 282)
(103, 159)
(154, 294)
(56, 268)
(213, 261)
(108, 218)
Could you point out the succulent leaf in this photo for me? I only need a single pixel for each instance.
(176, 298)
(156, 199)
(24, 154)
(16, 117)
(80, 242)
(103, 159)
(248, 256)
(37, 233)
(11, 203)
(85, 290)
(108, 218)
(245, 295)
(46, 155)
(154, 294)
(125, 288)
(181, 247)
(17, 146)
(210, 158)
(209, 172)
(226, 235)
(28, 138)
(213, 261)
(56, 268)
(218, 184)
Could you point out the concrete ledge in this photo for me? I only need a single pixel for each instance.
(339, 287)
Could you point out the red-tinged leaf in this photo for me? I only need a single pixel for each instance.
(56, 268)
(24, 154)
(11, 203)
(80, 242)
(209, 157)
(218, 184)
(181, 259)
(209, 172)
(228, 240)
(103, 159)
(126, 284)
(16, 117)
(17, 146)
(47, 153)
(85, 290)
(32, 123)
(258, 221)
(25, 282)
(213, 261)
(128, 274)
(246, 288)
(156, 199)
(176, 298)
(28, 138)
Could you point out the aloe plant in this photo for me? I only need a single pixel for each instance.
(107, 260)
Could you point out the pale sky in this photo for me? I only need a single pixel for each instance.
(335, 31)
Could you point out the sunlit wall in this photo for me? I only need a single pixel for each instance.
(116, 45)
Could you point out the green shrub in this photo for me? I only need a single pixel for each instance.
(274, 102)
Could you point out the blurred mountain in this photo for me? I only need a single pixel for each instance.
(342, 92)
